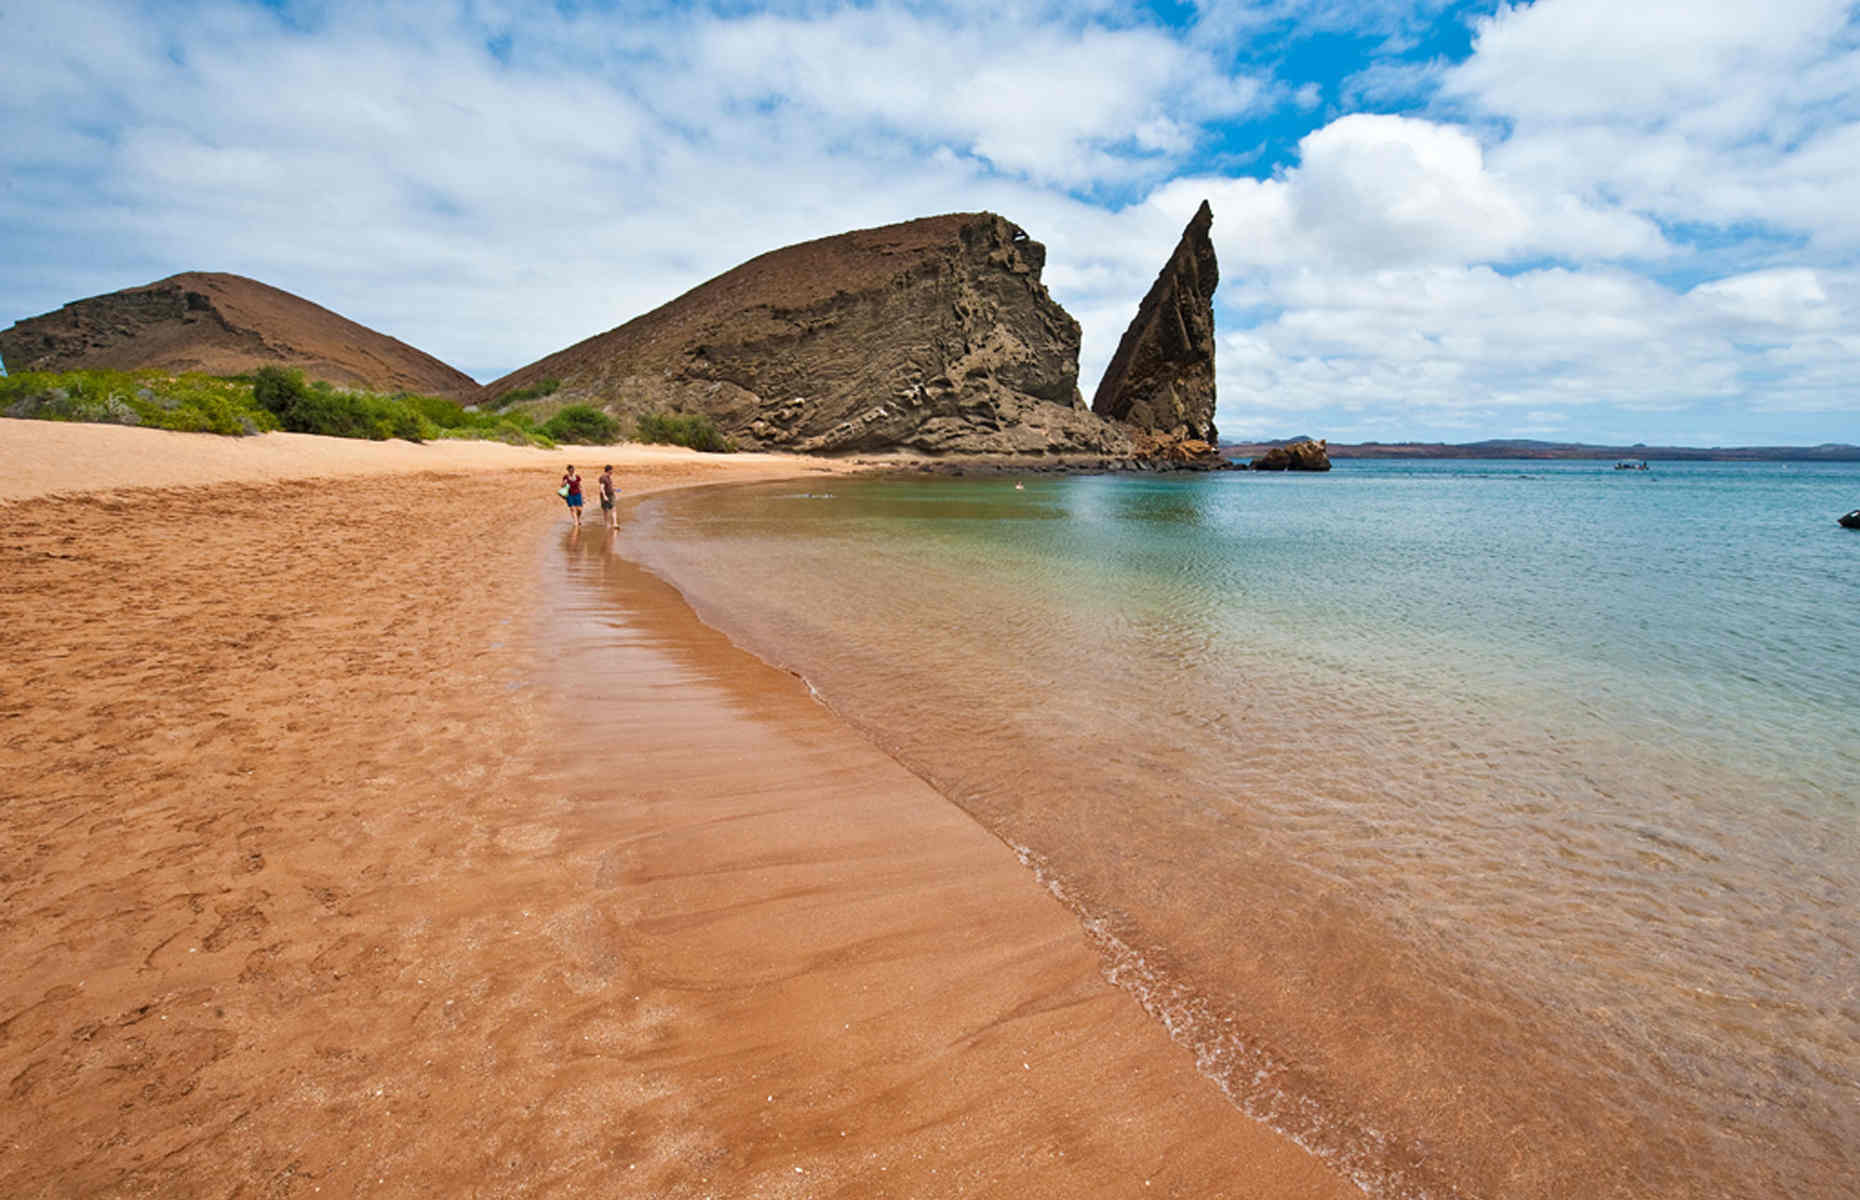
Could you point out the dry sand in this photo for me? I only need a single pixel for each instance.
(43, 458)
(380, 833)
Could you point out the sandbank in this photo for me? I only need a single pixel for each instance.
(367, 828)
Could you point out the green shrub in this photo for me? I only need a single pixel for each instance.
(533, 391)
(277, 390)
(189, 403)
(268, 398)
(511, 433)
(198, 403)
(317, 407)
(583, 426)
(438, 411)
(695, 430)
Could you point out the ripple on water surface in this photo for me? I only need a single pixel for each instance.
(1490, 827)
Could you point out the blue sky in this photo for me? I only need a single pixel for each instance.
(1576, 219)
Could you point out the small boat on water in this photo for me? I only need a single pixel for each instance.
(1852, 519)
(1628, 464)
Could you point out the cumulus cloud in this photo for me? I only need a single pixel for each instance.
(1625, 209)
(1466, 347)
(1604, 213)
(1373, 191)
(493, 182)
(1450, 340)
(1722, 114)
(1711, 69)
(1063, 105)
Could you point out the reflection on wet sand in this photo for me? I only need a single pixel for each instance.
(851, 980)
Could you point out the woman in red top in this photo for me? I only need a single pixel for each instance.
(572, 482)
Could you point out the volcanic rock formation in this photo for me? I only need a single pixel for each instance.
(1297, 456)
(222, 325)
(1162, 377)
(933, 335)
(1180, 453)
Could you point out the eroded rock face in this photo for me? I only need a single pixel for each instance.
(1161, 379)
(222, 325)
(1180, 453)
(933, 335)
(1298, 456)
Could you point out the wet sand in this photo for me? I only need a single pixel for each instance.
(385, 835)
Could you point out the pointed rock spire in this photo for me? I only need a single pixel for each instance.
(1161, 379)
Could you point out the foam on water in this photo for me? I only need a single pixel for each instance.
(1490, 828)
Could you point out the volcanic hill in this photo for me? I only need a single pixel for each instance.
(222, 325)
(933, 335)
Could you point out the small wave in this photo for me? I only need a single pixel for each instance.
(1228, 1060)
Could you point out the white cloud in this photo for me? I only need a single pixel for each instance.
(1608, 209)
(1720, 114)
(1435, 341)
(1720, 142)
(1713, 69)
(1390, 83)
(1375, 191)
(1059, 104)
(1788, 300)
(384, 162)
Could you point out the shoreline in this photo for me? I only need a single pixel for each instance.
(1301, 871)
(324, 874)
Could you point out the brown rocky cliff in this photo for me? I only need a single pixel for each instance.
(1296, 456)
(935, 335)
(222, 325)
(1161, 379)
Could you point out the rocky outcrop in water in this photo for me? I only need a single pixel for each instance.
(1298, 456)
(1161, 379)
(222, 325)
(934, 335)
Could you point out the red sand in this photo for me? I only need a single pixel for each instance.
(352, 841)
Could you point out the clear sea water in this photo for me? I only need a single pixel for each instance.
(1491, 827)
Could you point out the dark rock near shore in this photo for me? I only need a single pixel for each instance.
(1161, 379)
(1851, 520)
(222, 325)
(934, 335)
(1299, 456)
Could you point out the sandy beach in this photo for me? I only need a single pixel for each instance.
(366, 828)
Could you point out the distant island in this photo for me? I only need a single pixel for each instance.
(1527, 448)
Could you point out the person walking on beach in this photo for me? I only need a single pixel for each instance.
(607, 497)
(571, 485)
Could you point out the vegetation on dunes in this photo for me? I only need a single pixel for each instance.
(582, 425)
(695, 430)
(270, 398)
(191, 403)
(533, 391)
(274, 398)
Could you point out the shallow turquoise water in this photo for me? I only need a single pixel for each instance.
(1441, 808)
(1716, 602)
